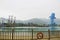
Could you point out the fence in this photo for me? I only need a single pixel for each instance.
(29, 34)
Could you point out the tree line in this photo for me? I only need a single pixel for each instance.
(23, 24)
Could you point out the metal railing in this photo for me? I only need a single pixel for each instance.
(28, 35)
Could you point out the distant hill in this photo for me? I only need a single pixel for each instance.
(6, 20)
(33, 20)
(57, 21)
(3, 20)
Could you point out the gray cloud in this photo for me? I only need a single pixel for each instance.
(26, 9)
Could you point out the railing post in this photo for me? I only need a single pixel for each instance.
(48, 34)
(32, 34)
(12, 33)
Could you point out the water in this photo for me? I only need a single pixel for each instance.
(28, 28)
(27, 31)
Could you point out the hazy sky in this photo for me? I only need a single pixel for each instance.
(27, 9)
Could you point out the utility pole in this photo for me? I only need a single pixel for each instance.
(14, 21)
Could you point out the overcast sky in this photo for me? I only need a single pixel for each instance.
(27, 9)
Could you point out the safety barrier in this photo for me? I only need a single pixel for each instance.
(29, 34)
